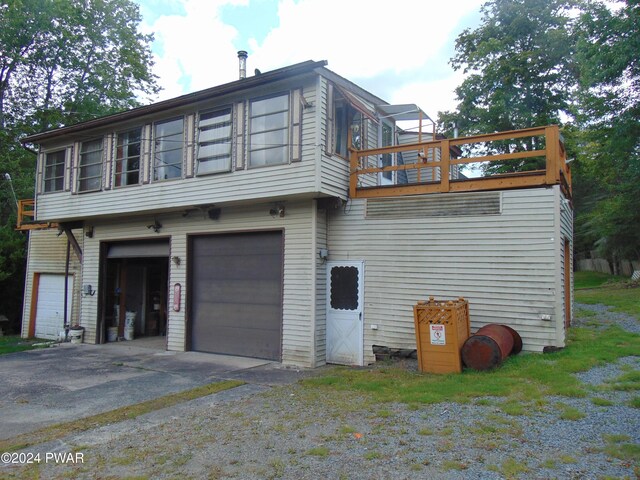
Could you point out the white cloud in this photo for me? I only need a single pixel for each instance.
(395, 46)
(432, 96)
(361, 38)
(195, 50)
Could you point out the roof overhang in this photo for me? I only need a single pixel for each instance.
(184, 100)
(356, 103)
(403, 112)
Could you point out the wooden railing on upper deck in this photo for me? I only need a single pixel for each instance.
(431, 170)
(27, 215)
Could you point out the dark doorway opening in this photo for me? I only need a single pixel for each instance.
(134, 298)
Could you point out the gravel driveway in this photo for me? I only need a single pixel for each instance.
(293, 432)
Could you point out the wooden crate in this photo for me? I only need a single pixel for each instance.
(442, 326)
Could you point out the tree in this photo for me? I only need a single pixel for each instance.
(609, 119)
(66, 61)
(61, 62)
(521, 73)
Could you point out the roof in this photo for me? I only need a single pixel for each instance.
(242, 84)
(407, 111)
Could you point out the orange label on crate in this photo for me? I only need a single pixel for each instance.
(437, 334)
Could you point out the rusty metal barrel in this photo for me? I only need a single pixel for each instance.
(489, 346)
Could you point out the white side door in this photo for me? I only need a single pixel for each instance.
(50, 306)
(344, 312)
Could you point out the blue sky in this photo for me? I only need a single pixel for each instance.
(397, 50)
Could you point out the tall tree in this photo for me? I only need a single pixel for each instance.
(608, 217)
(61, 62)
(520, 72)
(65, 61)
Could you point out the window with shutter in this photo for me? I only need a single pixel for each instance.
(214, 141)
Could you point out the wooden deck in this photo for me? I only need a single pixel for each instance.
(26, 217)
(430, 170)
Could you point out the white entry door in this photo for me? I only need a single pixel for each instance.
(344, 313)
(50, 306)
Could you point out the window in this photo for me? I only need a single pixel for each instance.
(214, 141)
(127, 167)
(54, 171)
(387, 159)
(347, 118)
(90, 174)
(169, 140)
(269, 131)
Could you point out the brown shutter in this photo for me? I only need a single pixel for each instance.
(296, 126)
(39, 172)
(68, 168)
(146, 153)
(109, 146)
(75, 167)
(330, 124)
(239, 128)
(190, 129)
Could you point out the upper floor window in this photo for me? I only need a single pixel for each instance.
(127, 161)
(214, 141)
(90, 172)
(169, 142)
(269, 131)
(54, 171)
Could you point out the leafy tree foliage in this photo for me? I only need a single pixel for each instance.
(521, 73)
(569, 62)
(61, 62)
(609, 218)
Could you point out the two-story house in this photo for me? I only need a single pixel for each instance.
(290, 216)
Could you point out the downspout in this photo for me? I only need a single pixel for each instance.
(66, 291)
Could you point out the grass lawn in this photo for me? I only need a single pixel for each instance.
(618, 292)
(13, 343)
(523, 381)
(595, 279)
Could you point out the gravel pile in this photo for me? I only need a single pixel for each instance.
(295, 432)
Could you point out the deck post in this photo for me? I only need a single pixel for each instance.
(445, 165)
(552, 154)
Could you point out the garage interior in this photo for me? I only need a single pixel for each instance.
(136, 285)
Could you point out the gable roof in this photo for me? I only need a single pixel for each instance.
(237, 85)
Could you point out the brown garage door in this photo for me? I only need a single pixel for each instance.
(236, 294)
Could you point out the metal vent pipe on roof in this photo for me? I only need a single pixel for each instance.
(242, 58)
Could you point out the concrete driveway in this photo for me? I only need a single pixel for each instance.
(67, 382)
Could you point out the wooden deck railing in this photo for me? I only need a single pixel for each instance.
(428, 165)
(26, 216)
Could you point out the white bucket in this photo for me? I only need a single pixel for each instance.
(128, 333)
(76, 335)
(130, 319)
(112, 334)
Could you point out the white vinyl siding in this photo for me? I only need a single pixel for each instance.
(504, 264)
(47, 255)
(321, 287)
(566, 234)
(299, 258)
(214, 141)
(90, 167)
(168, 152)
(269, 131)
